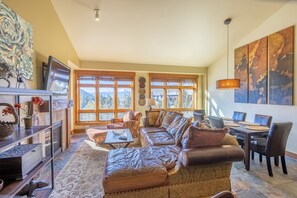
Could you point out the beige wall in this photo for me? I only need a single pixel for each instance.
(49, 36)
(220, 102)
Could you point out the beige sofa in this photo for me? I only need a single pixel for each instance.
(168, 170)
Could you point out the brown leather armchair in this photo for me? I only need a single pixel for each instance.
(130, 120)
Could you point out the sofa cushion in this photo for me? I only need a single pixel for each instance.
(151, 130)
(160, 138)
(128, 116)
(136, 168)
(169, 117)
(181, 128)
(196, 137)
(115, 125)
(173, 125)
(160, 118)
(211, 155)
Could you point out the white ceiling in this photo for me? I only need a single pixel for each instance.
(164, 32)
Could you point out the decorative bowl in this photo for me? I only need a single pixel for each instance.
(118, 131)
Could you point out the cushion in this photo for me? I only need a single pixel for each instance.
(172, 127)
(115, 125)
(169, 117)
(160, 118)
(181, 128)
(128, 116)
(204, 124)
(151, 130)
(196, 137)
(160, 138)
(196, 123)
(136, 168)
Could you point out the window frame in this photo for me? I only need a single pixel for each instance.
(157, 77)
(117, 76)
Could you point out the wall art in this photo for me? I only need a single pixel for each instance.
(16, 45)
(241, 72)
(281, 65)
(258, 71)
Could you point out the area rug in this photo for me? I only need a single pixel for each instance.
(82, 175)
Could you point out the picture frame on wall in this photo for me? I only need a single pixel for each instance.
(281, 66)
(241, 72)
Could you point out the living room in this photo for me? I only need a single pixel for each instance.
(131, 49)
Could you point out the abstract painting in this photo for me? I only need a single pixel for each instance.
(258, 71)
(280, 60)
(16, 46)
(241, 72)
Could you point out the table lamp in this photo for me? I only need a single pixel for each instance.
(151, 102)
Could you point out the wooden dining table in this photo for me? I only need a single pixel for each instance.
(247, 134)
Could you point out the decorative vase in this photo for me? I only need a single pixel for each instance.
(28, 121)
(8, 128)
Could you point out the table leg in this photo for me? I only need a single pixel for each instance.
(112, 146)
(126, 145)
(247, 140)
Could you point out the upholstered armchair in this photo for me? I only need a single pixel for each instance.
(130, 120)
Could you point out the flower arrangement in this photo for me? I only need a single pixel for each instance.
(28, 111)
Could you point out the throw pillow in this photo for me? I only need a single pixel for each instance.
(196, 137)
(169, 117)
(196, 123)
(128, 116)
(172, 127)
(160, 118)
(204, 124)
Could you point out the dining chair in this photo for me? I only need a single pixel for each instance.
(238, 116)
(274, 145)
(198, 116)
(264, 120)
(216, 122)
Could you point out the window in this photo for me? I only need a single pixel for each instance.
(101, 96)
(174, 92)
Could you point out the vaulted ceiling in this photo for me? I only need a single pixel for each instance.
(163, 32)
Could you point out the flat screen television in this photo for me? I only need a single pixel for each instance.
(57, 77)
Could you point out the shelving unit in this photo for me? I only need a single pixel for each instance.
(11, 188)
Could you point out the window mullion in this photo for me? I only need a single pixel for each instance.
(116, 98)
(97, 99)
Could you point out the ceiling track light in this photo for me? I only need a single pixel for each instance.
(96, 14)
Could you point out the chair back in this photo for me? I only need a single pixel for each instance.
(239, 116)
(216, 122)
(277, 138)
(264, 120)
(198, 116)
(199, 111)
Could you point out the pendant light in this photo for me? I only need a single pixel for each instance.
(228, 83)
(96, 14)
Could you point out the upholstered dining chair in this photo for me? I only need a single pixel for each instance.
(238, 116)
(274, 145)
(198, 116)
(264, 120)
(216, 122)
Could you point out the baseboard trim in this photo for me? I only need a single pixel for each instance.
(292, 155)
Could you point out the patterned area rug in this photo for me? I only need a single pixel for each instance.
(82, 175)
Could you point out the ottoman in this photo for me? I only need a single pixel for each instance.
(97, 134)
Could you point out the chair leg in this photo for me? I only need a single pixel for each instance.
(284, 165)
(269, 166)
(276, 161)
(253, 155)
(260, 158)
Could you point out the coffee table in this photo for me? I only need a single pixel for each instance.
(112, 139)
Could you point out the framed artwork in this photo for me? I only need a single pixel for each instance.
(16, 45)
(281, 66)
(258, 71)
(241, 72)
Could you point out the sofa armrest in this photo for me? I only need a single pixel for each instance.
(211, 155)
(130, 123)
(116, 120)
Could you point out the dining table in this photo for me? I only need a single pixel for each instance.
(247, 130)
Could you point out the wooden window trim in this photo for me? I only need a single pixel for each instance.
(118, 76)
(174, 78)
